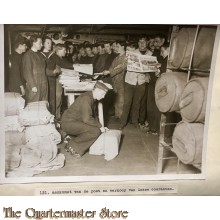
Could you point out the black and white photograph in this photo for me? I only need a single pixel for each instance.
(75, 109)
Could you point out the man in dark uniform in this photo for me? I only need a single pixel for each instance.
(81, 120)
(51, 72)
(16, 80)
(33, 68)
(103, 64)
(54, 62)
(105, 60)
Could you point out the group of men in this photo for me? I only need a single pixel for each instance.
(34, 74)
(133, 92)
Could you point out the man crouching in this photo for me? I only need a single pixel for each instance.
(81, 121)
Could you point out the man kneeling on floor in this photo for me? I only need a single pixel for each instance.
(81, 121)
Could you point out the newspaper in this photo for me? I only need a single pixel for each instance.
(69, 77)
(84, 68)
(69, 72)
(141, 63)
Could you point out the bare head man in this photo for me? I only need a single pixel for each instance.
(159, 40)
(36, 42)
(142, 43)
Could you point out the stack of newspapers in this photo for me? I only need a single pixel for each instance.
(68, 78)
(82, 86)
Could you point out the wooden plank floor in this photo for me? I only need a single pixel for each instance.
(137, 156)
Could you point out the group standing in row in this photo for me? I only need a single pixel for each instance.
(35, 73)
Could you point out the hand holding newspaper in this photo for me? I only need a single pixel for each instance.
(141, 63)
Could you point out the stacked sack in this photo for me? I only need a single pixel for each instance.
(107, 144)
(14, 132)
(34, 149)
(14, 103)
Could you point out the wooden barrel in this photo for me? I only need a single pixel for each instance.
(13, 103)
(182, 45)
(187, 142)
(168, 90)
(193, 100)
(202, 55)
(181, 48)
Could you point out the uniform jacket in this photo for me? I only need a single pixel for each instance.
(33, 67)
(84, 110)
(50, 63)
(104, 62)
(34, 72)
(61, 62)
(15, 73)
(117, 73)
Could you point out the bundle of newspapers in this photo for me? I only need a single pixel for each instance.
(82, 86)
(69, 77)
